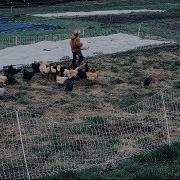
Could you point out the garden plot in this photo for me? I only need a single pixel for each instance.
(53, 51)
(94, 13)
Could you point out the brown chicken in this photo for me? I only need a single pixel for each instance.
(92, 75)
(61, 80)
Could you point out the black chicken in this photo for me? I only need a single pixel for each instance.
(11, 80)
(147, 80)
(28, 73)
(35, 67)
(11, 71)
(82, 71)
(69, 85)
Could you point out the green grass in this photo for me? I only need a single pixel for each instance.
(177, 84)
(25, 14)
(95, 5)
(148, 28)
(163, 163)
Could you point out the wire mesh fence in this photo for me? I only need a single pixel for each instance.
(34, 146)
(24, 40)
(10, 41)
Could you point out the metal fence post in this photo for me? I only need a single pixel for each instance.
(83, 33)
(22, 145)
(165, 117)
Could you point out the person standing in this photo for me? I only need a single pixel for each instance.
(76, 48)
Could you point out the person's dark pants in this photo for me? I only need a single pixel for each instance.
(75, 54)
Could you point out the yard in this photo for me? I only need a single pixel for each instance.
(63, 131)
(46, 132)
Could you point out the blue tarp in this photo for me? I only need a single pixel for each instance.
(7, 25)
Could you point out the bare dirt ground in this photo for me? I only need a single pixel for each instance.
(135, 18)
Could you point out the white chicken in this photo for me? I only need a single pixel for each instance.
(53, 70)
(45, 68)
(67, 73)
(3, 79)
(58, 68)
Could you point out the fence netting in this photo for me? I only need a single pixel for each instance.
(34, 146)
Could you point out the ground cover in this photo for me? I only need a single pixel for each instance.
(160, 164)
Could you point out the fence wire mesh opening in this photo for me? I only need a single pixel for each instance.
(33, 146)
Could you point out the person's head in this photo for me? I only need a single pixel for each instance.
(77, 32)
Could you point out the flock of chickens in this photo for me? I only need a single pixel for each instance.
(59, 72)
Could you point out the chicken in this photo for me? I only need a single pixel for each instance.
(65, 64)
(69, 85)
(11, 71)
(58, 68)
(82, 71)
(147, 80)
(35, 67)
(28, 73)
(53, 69)
(44, 68)
(73, 72)
(3, 79)
(61, 80)
(62, 68)
(11, 80)
(92, 75)
(66, 73)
